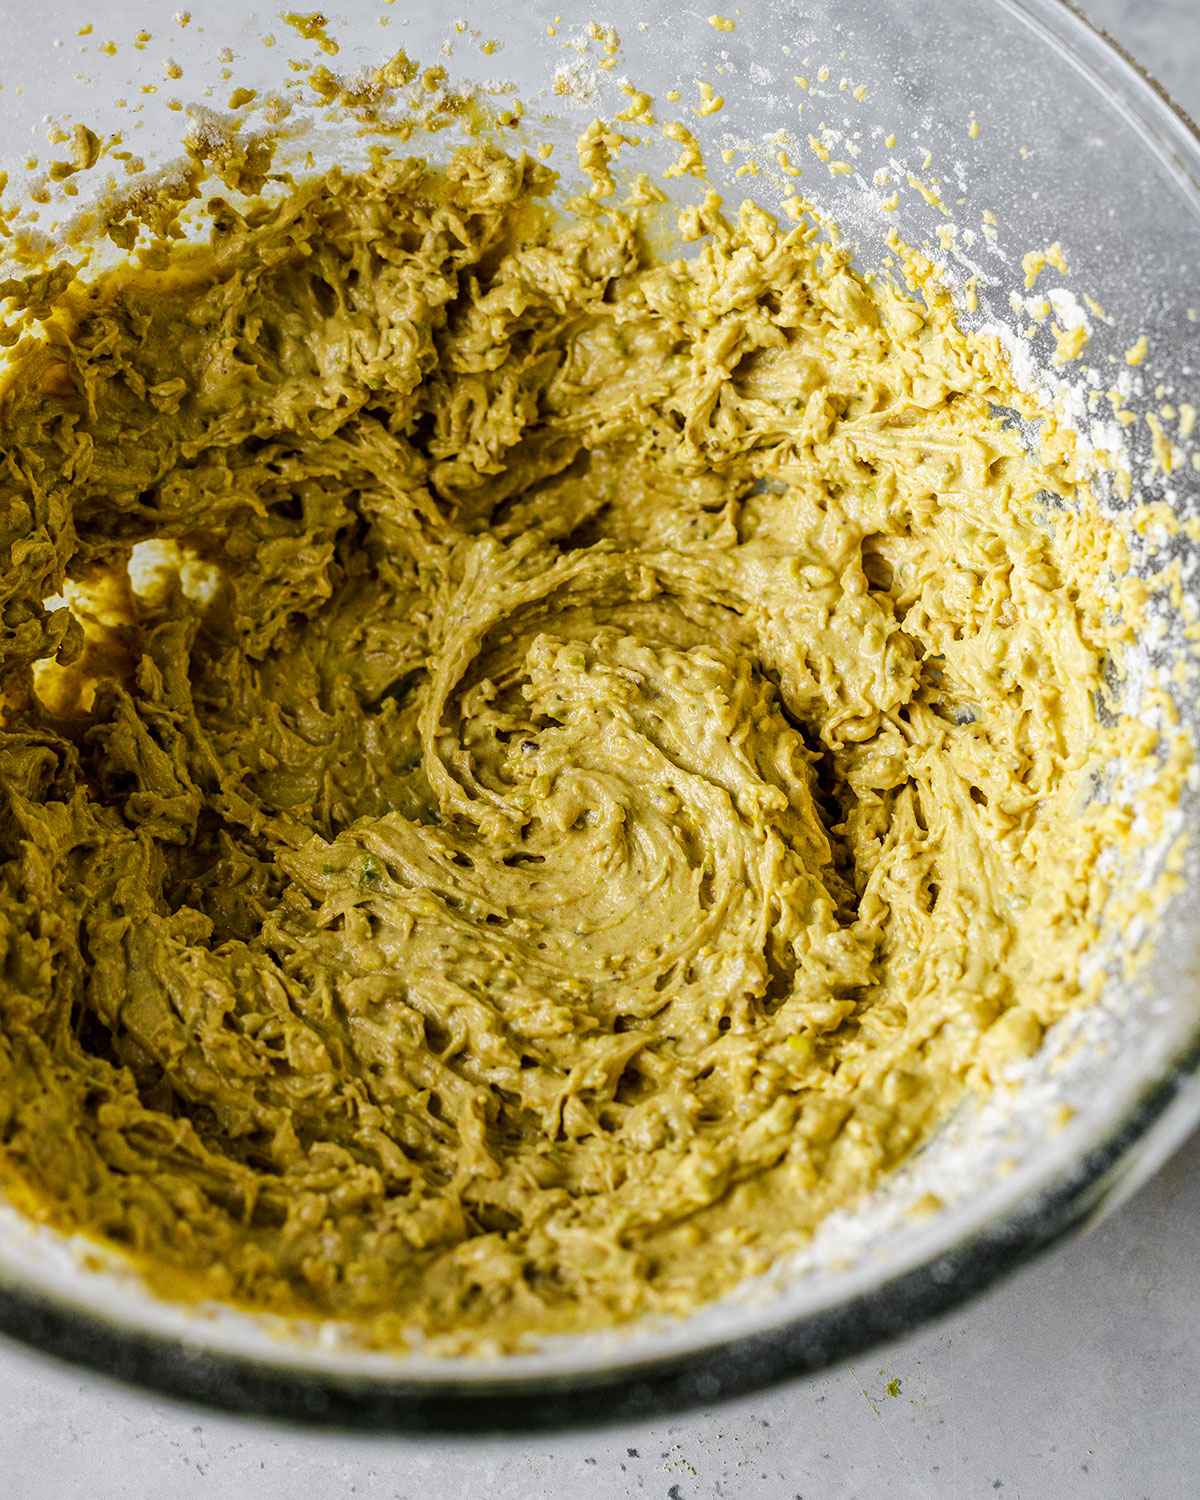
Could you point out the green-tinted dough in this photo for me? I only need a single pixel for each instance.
(591, 776)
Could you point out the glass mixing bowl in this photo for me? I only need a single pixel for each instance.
(1073, 145)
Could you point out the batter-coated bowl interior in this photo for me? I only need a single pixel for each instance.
(1070, 145)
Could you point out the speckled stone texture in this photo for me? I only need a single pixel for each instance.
(1074, 1380)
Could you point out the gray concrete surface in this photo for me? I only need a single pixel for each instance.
(1079, 1379)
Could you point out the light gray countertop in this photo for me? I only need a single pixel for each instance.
(1079, 1377)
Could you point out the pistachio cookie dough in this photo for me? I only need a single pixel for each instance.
(556, 770)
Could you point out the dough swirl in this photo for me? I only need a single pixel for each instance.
(540, 790)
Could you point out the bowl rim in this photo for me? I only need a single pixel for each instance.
(1042, 1210)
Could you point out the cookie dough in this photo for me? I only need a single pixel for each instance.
(542, 773)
